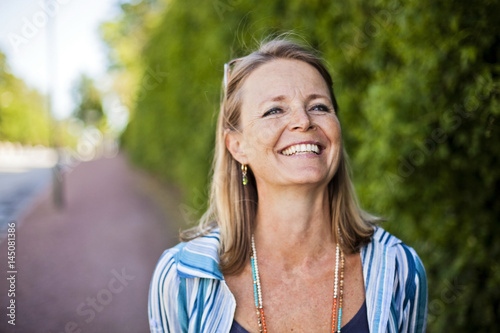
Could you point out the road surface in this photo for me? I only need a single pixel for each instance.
(18, 188)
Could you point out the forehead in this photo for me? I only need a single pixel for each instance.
(283, 77)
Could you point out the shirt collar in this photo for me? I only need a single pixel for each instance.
(199, 258)
(383, 238)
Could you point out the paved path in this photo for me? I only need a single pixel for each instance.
(87, 268)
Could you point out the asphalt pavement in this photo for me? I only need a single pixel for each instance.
(18, 190)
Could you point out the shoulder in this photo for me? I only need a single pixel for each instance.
(410, 281)
(181, 274)
(387, 260)
(383, 245)
(391, 266)
(187, 292)
(198, 258)
(163, 291)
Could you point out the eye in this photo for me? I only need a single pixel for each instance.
(272, 111)
(320, 107)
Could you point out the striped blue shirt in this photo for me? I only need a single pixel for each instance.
(188, 292)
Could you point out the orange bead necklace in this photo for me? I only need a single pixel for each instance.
(338, 290)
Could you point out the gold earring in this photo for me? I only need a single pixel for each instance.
(244, 174)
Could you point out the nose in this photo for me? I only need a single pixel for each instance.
(300, 120)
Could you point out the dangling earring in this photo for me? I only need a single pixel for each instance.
(244, 174)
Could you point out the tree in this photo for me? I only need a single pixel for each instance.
(23, 117)
(89, 101)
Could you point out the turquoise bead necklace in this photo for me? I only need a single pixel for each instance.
(338, 290)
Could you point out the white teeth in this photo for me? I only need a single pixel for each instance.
(301, 148)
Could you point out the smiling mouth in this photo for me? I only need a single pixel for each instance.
(304, 148)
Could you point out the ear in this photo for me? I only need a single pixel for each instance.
(234, 143)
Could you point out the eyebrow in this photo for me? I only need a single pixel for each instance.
(316, 96)
(281, 98)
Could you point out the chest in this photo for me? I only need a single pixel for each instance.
(297, 302)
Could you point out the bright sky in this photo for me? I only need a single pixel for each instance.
(24, 28)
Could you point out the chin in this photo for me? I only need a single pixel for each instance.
(309, 180)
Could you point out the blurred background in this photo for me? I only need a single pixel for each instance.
(107, 118)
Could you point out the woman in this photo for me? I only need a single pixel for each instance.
(284, 245)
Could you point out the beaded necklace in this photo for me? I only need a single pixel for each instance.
(337, 308)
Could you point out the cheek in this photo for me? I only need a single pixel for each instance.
(261, 138)
(335, 131)
(338, 135)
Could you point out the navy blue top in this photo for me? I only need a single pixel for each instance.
(358, 323)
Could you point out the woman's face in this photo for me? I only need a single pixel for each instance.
(290, 133)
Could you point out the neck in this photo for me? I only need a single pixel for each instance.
(294, 225)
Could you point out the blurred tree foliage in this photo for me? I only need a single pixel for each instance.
(127, 37)
(23, 116)
(418, 88)
(88, 101)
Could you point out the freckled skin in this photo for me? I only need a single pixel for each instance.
(297, 119)
(287, 102)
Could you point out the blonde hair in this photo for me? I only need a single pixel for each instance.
(233, 207)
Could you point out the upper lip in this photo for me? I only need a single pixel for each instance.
(321, 147)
